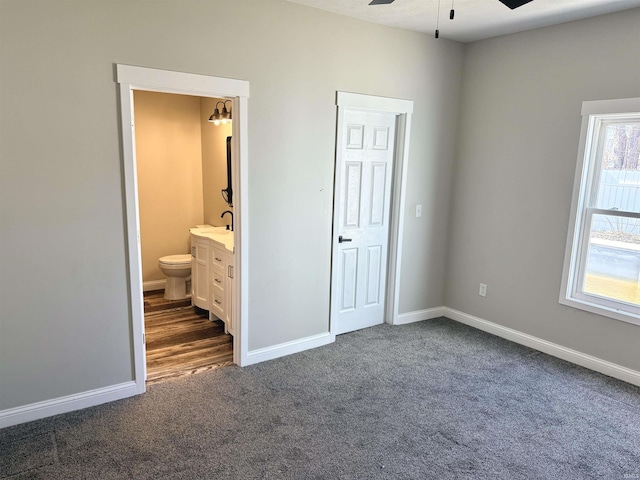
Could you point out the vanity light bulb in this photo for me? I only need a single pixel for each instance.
(216, 122)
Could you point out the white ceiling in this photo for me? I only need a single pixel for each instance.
(474, 19)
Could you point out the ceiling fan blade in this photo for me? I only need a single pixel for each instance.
(515, 3)
(380, 2)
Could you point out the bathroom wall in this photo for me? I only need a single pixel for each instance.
(214, 164)
(170, 188)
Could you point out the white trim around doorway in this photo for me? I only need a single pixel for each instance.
(132, 78)
(404, 110)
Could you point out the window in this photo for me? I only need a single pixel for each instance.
(602, 260)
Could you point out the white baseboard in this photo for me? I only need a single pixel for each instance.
(69, 403)
(154, 285)
(593, 363)
(287, 348)
(419, 315)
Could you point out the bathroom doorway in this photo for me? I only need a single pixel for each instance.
(235, 92)
(183, 173)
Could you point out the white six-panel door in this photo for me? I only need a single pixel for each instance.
(364, 170)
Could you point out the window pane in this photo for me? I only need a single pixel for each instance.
(613, 259)
(619, 179)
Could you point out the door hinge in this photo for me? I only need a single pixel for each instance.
(144, 339)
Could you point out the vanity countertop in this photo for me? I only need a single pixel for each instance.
(218, 234)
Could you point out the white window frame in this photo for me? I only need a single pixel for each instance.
(594, 115)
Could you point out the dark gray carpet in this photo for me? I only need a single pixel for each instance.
(433, 400)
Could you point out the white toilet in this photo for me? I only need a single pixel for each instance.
(177, 268)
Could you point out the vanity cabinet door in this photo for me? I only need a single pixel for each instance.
(200, 273)
(230, 320)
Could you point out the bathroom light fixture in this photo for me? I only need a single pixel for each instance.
(221, 117)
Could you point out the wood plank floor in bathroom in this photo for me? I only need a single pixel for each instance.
(181, 341)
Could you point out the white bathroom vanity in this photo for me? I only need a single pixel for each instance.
(212, 273)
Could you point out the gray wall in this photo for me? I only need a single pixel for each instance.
(516, 158)
(65, 325)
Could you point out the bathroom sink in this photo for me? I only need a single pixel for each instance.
(218, 234)
(216, 230)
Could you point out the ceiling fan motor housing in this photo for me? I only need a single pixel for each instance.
(515, 3)
(509, 3)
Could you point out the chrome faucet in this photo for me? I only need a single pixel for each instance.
(230, 213)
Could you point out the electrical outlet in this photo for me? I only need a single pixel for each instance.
(483, 290)
(418, 211)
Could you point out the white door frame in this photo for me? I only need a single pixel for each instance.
(403, 109)
(132, 78)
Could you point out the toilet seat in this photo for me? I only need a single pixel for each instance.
(182, 259)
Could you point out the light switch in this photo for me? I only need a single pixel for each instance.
(418, 211)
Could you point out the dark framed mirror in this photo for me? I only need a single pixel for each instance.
(227, 193)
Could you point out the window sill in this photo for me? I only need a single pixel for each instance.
(591, 307)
